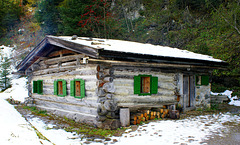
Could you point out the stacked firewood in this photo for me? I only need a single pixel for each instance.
(145, 115)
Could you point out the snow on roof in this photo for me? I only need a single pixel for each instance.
(137, 48)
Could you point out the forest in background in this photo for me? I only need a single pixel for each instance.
(209, 27)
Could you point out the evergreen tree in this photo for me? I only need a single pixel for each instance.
(5, 72)
(70, 12)
(10, 14)
(87, 18)
(47, 15)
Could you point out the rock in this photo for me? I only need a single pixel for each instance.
(98, 140)
(108, 139)
(111, 124)
(87, 142)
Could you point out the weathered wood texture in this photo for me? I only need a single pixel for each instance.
(69, 69)
(124, 87)
(67, 106)
(76, 116)
(125, 117)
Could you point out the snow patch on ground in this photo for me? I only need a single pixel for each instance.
(188, 131)
(56, 136)
(233, 100)
(14, 128)
(6, 51)
(193, 130)
(18, 91)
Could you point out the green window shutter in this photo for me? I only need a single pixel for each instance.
(40, 86)
(55, 87)
(82, 88)
(72, 88)
(35, 86)
(154, 85)
(64, 85)
(205, 80)
(137, 84)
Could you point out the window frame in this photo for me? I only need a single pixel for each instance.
(73, 88)
(138, 85)
(64, 88)
(204, 80)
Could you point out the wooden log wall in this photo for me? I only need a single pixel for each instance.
(124, 87)
(67, 68)
(107, 109)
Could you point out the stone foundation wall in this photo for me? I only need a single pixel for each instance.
(203, 96)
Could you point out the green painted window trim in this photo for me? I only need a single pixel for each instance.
(153, 85)
(64, 85)
(82, 88)
(38, 87)
(204, 80)
(35, 87)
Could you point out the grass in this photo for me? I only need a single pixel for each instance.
(90, 131)
(36, 111)
(71, 126)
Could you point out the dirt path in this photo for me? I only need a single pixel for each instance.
(232, 135)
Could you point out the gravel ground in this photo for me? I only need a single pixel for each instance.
(232, 137)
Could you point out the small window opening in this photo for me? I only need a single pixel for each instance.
(145, 84)
(77, 88)
(198, 80)
(60, 88)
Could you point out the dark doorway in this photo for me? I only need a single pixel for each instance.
(188, 90)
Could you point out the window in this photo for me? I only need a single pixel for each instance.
(145, 85)
(77, 88)
(198, 80)
(60, 88)
(202, 80)
(38, 86)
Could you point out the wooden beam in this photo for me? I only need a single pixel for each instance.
(147, 64)
(93, 52)
(58, 53)
(106, 54)
(63, 59)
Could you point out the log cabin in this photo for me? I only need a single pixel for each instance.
(102, 81)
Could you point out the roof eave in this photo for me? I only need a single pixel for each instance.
(161, 59)
(50, 40)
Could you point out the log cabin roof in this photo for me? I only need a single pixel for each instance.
(118, 50)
